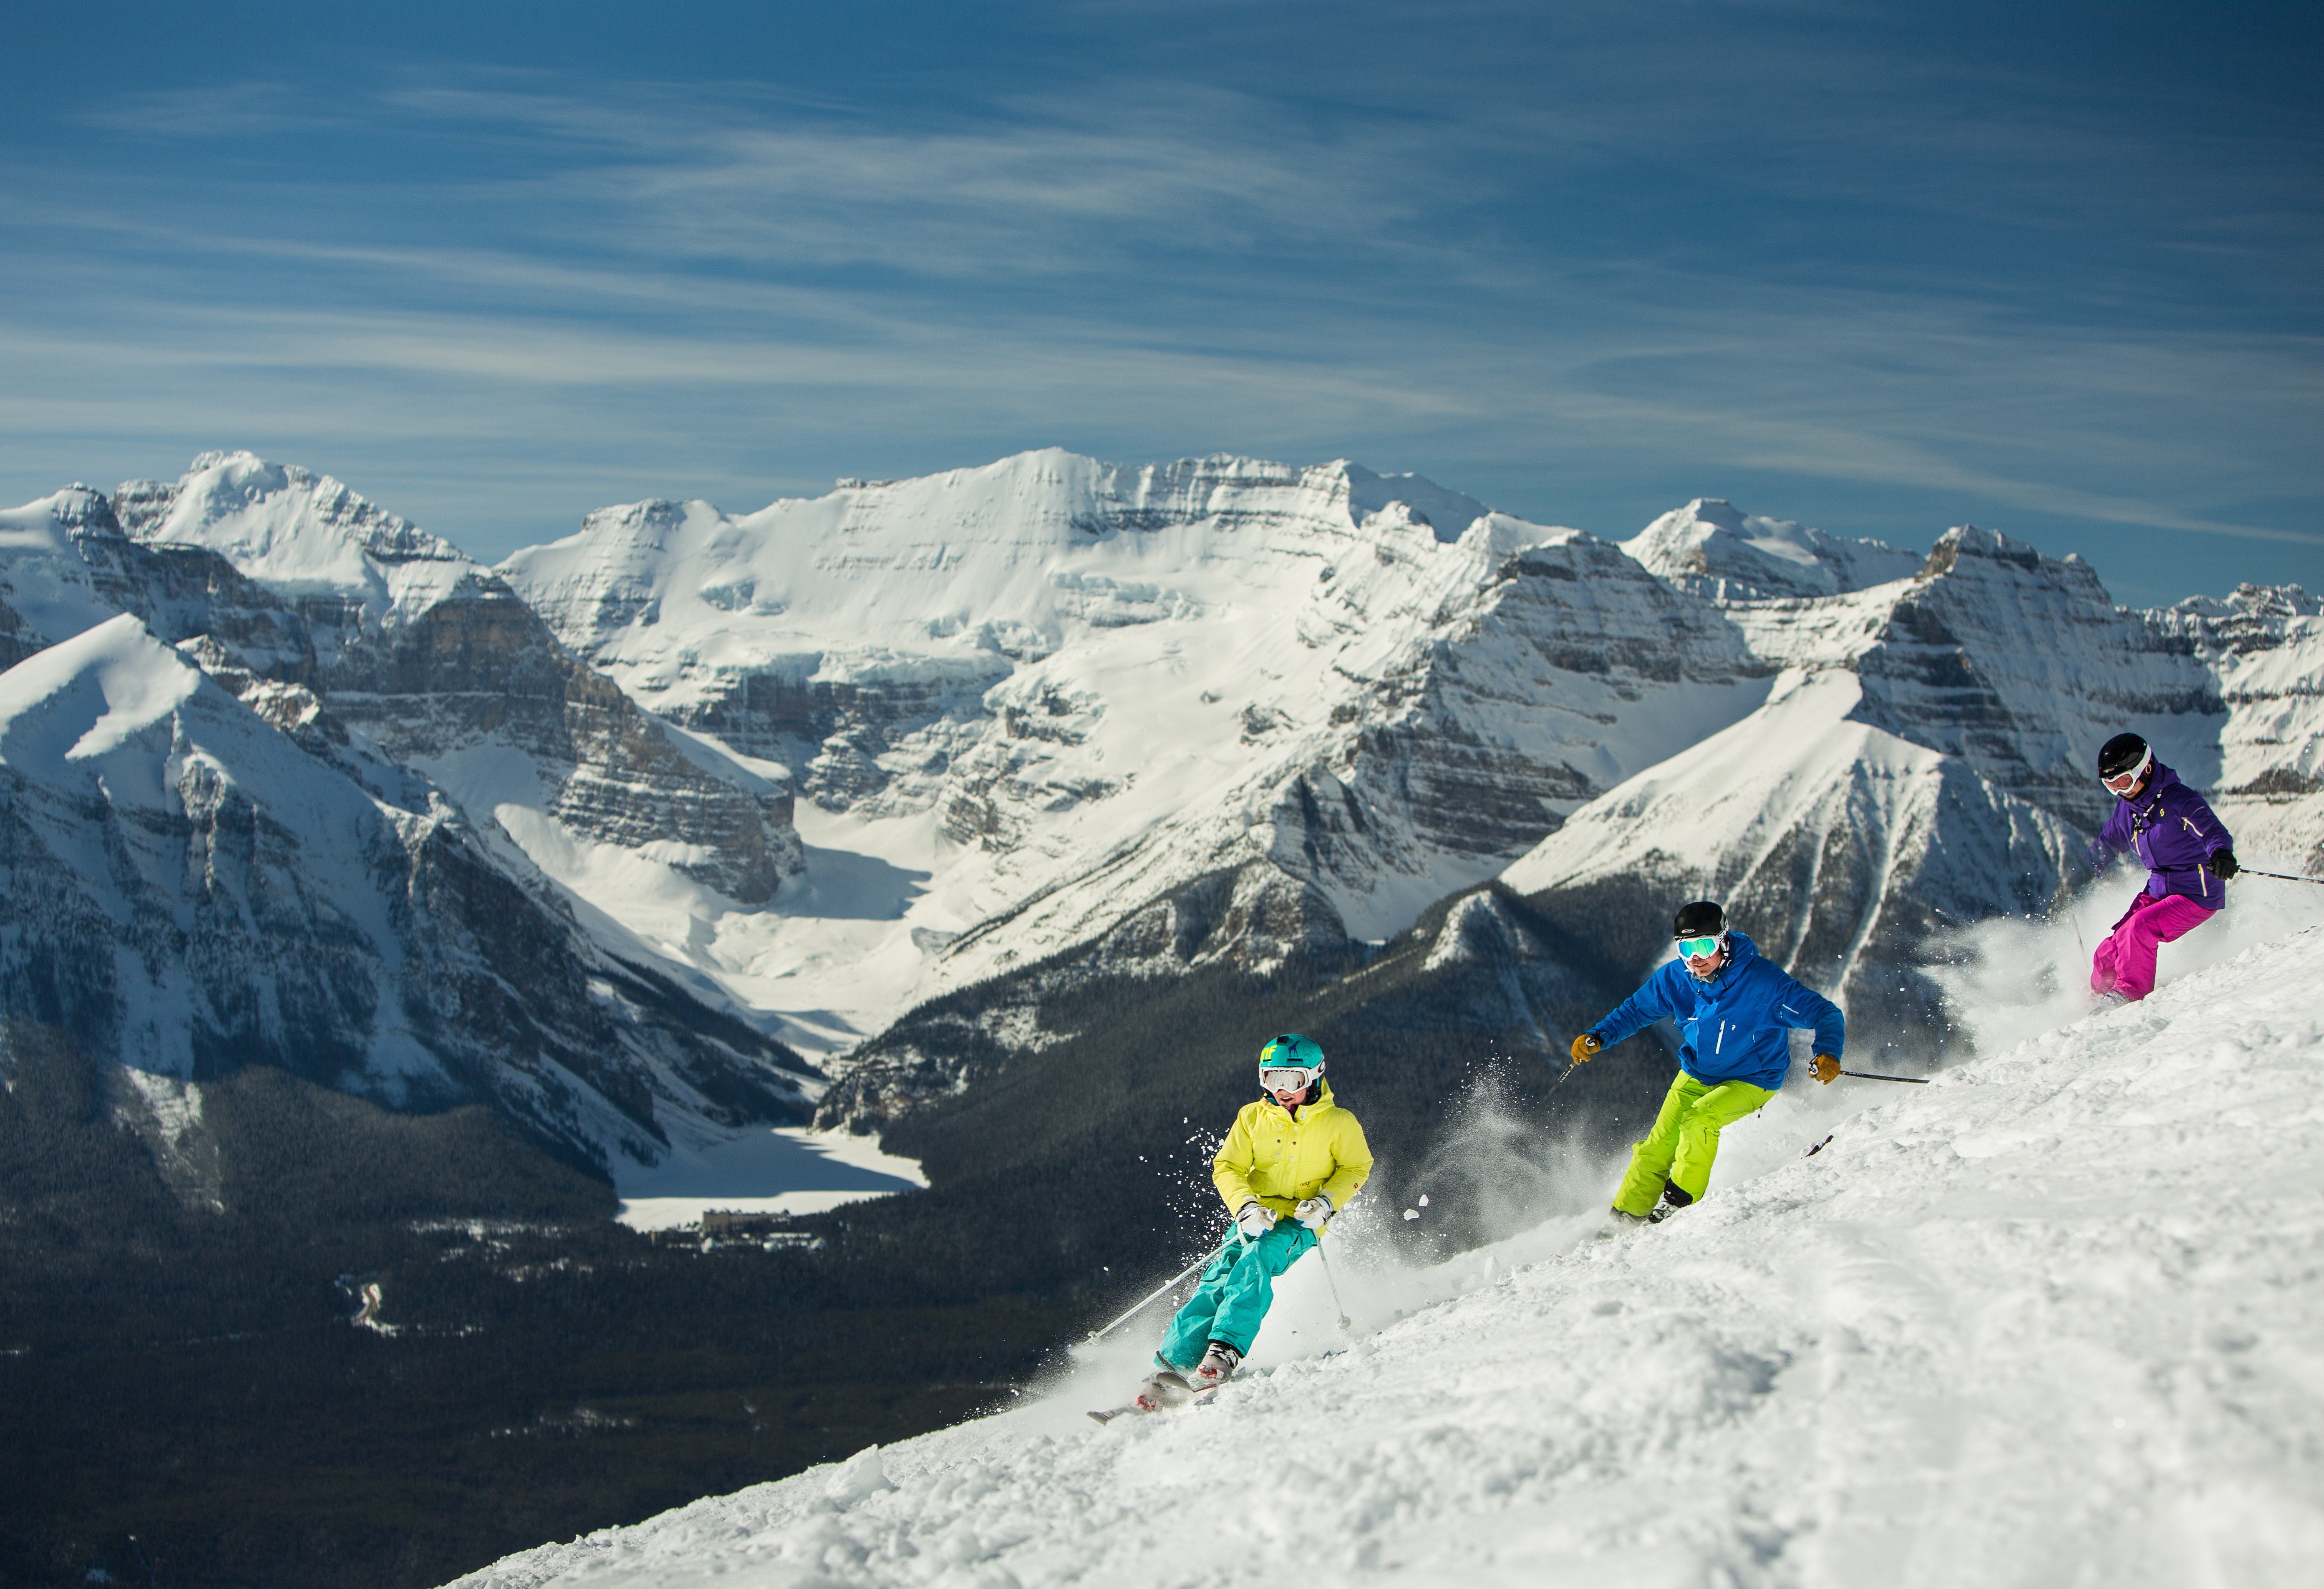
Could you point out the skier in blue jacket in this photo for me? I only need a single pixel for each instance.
(1735, 1011)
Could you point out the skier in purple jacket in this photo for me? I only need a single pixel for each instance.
(2188, 855)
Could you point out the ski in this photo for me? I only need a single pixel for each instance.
(1162, 1393)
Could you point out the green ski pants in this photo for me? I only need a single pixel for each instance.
(1684, 1139)
(1234, 1293)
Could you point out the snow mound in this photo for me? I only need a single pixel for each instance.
(2051, 1320)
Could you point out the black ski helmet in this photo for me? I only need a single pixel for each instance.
(1702, 919)
(2121, 754)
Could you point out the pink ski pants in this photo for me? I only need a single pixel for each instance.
(2125, 960)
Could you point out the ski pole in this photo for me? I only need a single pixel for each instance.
(2065, 897)
(2280, 876)
(1331, 1280)
(1163, 1290)
(1870, 1076)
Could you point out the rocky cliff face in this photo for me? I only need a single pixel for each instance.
(1099, 684)
(1104, 685)
(1059, 721)
(191, 892)
(2265, 647)
(185, 924)
(1845, 851)
(1926, 762)
(436, 661)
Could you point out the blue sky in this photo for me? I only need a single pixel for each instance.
(2055, 268)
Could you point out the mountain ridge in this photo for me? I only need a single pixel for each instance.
(1023, 703)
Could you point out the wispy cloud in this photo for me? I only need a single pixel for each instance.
(215, 111)
(1535, 249)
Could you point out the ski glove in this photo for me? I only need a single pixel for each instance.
(1254, 1220)
(1584, 1046)
(1826, 1069)
(2223, 861)
(1314, 1213)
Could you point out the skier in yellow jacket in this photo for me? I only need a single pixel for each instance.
(1292, 1161)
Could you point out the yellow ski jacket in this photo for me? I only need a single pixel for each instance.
(1281, 1161)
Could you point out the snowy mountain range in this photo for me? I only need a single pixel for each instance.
(1052, 715)
(223, 845)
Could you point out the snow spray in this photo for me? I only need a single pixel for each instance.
(2009, 980)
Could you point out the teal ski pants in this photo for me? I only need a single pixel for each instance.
(1232, 1296)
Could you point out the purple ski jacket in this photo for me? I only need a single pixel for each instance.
(2174, 835)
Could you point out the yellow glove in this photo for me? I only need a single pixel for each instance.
(1584, 1047)
(1826, 1069)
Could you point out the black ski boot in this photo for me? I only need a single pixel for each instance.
(1673, 1199)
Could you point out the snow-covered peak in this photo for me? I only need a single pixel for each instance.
(999, 562)
(46, 524)
(193, 885)
(1839, 846)
(996, 562)
(1712, 545)
(299, 534)
(47, 589)
(2248, 609)
(1088, 682)
(53, 518)
(1449, 512)
(131, 682)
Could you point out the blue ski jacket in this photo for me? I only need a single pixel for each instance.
(1734, 1027)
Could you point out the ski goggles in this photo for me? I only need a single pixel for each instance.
(2124, 782)
(1702, 949)
(1287, 1078)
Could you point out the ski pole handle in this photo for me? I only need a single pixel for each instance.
(1870, 1076)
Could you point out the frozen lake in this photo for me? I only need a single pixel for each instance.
(781, 1170)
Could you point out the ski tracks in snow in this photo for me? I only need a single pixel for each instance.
(2054, 1320)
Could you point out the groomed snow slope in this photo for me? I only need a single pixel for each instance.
(2053, 1320)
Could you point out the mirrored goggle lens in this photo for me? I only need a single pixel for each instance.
(1277, 1079)
(1695, 949)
